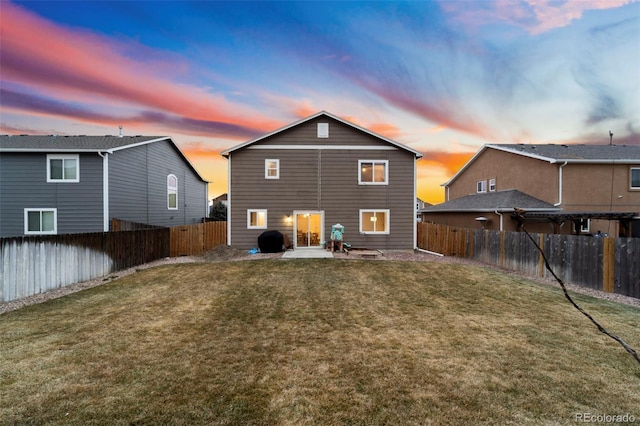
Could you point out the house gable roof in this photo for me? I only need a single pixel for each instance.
(79, 144)
(54, 143)
(553, 153)
(502, 201)
(314, 116)
(574, 153)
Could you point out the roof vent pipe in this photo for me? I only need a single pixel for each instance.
(120, 134)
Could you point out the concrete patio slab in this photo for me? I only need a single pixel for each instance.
(307, 254)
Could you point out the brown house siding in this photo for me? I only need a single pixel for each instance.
(529, 175)
(598, 187)
(322, 180)
(590, 186)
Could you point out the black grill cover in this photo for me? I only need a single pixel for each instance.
(271, 242)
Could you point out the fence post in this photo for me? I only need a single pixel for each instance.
(541, 265)
(502, 248)
(608, 265)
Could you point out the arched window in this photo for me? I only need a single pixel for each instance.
(172, 192)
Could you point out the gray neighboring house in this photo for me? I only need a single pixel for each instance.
(76, 184)
(317, 172)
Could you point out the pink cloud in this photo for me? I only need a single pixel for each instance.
(75, 64)
(551, 14)
(385, 129)
(305, 109)
(535, 16)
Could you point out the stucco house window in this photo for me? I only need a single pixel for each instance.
(256, 219)
(172, 192)
(272, 169)
(63, 168)
(374, 221)
(635, 178)
(40, 221)
(481, 186)
(585, 225)
(373, 172)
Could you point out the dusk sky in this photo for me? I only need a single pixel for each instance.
(443, 77)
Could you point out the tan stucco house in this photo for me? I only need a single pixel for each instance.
(570, 189)
(318, 172)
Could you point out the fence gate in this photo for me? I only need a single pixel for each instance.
(194, 240)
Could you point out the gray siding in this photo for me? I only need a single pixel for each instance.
(128, 195)
(325, 180)
(23, 184)
(138, 186)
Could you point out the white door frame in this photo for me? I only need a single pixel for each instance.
(295, 227)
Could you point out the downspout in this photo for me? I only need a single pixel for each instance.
(229, 200)
(560, 185)
(206, 197)
(415, 206)
(499, 214)
(319, 178)
(105, 190)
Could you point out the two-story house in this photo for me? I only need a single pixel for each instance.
(318, 172)
(76, 184)
(564, 189)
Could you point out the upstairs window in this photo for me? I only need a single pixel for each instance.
(635, 178)
(63, 168)
(40, 221)
(481, 186)
(323, 130)
(374, 221)
(271, 169)
(373, 172)
(492, 185)
(172, 192)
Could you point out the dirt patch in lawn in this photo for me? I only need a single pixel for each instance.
(224, 253)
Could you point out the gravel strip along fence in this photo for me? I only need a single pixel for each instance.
(227, 254)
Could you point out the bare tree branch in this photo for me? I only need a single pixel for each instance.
(624, 344)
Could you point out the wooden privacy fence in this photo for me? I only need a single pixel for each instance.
(445, 240)
(127, 225)
(35, 264)
(194, 240)
(606, 264)
(186, 240)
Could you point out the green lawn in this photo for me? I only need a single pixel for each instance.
(330, 342)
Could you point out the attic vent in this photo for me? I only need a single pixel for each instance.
(323, 130)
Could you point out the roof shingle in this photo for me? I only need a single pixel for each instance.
(491, 201)
(574, 152)
(70, 143)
